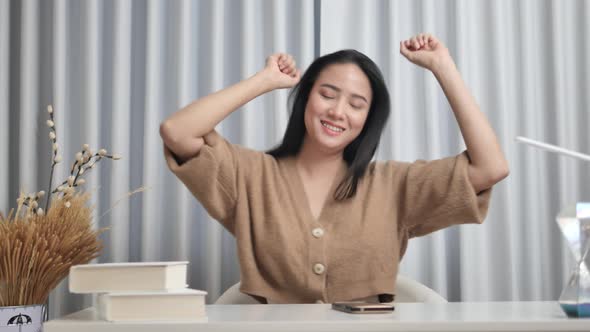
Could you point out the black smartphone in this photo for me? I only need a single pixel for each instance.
(363, 307)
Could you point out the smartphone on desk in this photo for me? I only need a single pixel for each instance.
(363, 307)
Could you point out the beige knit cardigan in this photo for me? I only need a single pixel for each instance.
(353, 249)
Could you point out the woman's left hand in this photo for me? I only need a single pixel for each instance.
(426, 51)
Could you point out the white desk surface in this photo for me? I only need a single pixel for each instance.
(458, 316)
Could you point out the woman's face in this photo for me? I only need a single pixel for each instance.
(337, 107)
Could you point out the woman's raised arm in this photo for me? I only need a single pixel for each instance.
(183, 131)
(487, 162)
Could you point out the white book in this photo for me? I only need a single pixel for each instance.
(116, 277)
(178, 305)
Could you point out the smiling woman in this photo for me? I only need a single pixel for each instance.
(314, 218)
(340, 108)
(335, 117)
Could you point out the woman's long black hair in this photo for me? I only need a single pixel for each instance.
(358, 153)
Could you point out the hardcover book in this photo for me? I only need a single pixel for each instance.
(125, 277)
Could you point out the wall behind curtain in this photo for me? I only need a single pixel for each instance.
(527, 63)
(113, 71)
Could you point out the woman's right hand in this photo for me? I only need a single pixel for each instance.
(281, 72)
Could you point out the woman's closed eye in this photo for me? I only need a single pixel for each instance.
(327, 96)
(358, 104)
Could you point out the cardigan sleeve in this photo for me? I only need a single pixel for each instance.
(437, 194)
(211, 176)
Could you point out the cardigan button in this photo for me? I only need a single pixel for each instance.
(319, 268)
(317, 232)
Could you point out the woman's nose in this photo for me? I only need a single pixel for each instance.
(337, 110)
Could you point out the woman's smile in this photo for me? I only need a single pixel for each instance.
(331, 129)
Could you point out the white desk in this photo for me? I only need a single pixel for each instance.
(476, 316)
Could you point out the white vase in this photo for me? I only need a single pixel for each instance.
(27, 318)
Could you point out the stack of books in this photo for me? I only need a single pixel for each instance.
(150, 291)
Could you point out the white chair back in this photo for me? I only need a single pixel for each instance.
(406, 290)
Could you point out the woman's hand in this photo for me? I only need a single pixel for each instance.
(425, 51)
(280, 71)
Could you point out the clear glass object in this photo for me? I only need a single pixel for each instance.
(574, 223)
